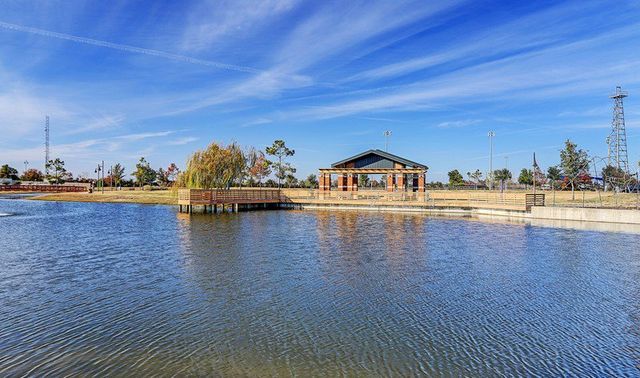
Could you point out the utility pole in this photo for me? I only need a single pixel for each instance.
(387, 134)
(490, 175)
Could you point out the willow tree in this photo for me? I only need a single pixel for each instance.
(216, 167)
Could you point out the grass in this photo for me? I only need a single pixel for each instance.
(158, 197)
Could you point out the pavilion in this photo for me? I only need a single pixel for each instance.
(402, 174)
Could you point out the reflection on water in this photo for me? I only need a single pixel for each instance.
(141, 290)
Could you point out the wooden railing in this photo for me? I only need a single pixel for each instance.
(43, 188)
(227, 196)
(534, 200)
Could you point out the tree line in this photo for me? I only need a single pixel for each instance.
(571, 173)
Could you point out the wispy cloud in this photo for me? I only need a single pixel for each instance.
(256, 122)
(459, 123)
(183, 141)
(127, 48)
(211, 21)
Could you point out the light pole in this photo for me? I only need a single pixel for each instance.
(111, 177)
(100, 169)
(97, 171)
(26, 165)
(387, 134)
(490, 176)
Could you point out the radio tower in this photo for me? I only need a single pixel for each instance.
(46, 145)
(617, 141)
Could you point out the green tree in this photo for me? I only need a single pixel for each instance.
(117, 174)
(554, 175)
(144, 174)
(455, 178)
(311, 181)
(290, 180)
(363, 180)
(57, 171)
(574, 163)
(476, 177)
(161, 177)
(280, 150)
(32, 174)
(503, 176)
(526, 177)
(614, 177)
(8, 172)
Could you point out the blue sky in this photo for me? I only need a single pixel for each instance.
(124, 79)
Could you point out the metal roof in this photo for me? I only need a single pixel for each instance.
(382, 154)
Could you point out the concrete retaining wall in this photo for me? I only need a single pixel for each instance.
(586, 215)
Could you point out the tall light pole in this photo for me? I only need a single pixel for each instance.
(490, 176)
(387, 134)
(97, 171)
(100, 169)
(26, 165)
(111, 177)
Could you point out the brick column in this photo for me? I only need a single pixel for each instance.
(342, 182)
(400, 180)
(421, 179)
(390, 181)
(324, 183)
(349, 182)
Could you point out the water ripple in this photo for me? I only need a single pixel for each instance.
(111, 289)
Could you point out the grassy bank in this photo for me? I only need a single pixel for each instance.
(159, 197)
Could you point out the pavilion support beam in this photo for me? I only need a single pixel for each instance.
(342, 182)
(421, 180)
(400, 181)
(349, 182)
(390, 182)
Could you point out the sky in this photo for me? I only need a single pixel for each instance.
(161, 79)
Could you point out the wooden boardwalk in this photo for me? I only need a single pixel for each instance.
(211, 199)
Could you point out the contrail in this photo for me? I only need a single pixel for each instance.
(127, 48)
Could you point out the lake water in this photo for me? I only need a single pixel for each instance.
(114, 289)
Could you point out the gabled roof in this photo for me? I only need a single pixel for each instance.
(384, 155)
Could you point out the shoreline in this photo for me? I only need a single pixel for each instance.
(605, 219)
